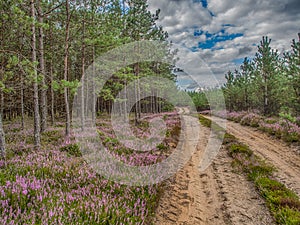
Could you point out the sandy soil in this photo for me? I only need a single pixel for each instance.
(276, 152)
(216, 196)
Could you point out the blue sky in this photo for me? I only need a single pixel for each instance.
(213, 39)
(223, 32)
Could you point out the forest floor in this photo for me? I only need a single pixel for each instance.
(220, 195)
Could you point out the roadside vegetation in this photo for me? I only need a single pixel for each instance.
(284, 126)
(283, 203)
(54, 185)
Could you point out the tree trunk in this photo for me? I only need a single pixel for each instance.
(23, 74)
(22, 102)
(139, 95)
(37, 136)
(66, 59)
(2, 135)
(51, 79)
(52, 94)
(2, 140)
(125, 99)
(266, 103)
(136, 103)
(42, 69)
(93, 90)
(82, 110)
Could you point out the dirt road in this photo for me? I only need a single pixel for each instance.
(284, 158)
(216, 196)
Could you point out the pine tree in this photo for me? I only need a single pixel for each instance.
(266, 66)
(293, 72)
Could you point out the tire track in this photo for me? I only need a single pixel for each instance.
(284, 158)
(216, 196)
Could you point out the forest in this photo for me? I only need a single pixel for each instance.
(47, 46)
(146, 171)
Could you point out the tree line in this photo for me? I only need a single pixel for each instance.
(268, 83)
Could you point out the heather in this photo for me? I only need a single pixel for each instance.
(283, 127)
(54, 185)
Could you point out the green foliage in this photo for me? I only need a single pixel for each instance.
(51, 137)
(162, 147)
(284, 204)
(288, 216)
(72, 149)
(238, 148)
(204, 121)
(200, 100)
(268, 83)
(60, 86)
(228, 138)
(287, 117)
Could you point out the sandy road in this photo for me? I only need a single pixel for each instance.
(284, 158)
(216, 196)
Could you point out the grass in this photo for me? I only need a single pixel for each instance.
(204, 121)
(283, 203)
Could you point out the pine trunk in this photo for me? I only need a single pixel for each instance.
(93, 90)
(22, 102)
(66, 59)
(42, 69)
(37, 136)
(51, 80)
(2, 139)
(82, 110)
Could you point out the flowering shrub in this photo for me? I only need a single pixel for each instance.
(281, 128)
(251, 119)
(236, 116)
(272, 128)
(137, 158)
(55, 186)
(298, 120)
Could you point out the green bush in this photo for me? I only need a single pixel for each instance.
(52, 136)
(238, 148)
(72, 149)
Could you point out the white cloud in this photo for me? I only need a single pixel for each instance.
(278, 19)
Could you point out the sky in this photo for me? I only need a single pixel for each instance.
(221, 33)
